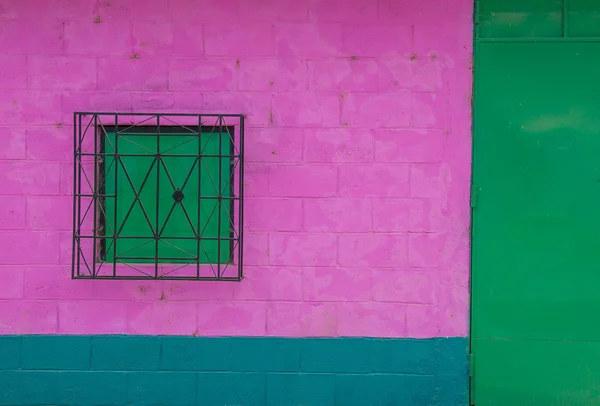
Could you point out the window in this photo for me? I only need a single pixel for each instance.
(158, 196)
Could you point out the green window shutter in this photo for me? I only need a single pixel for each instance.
(157, 183)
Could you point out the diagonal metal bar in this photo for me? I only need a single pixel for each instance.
(80, 146)
(216, 124)
(167, 219)
(177, 248)
(134, 268)
(85, 214)
(166, 118)
(189, 175)
(168, 174)
(210, 134)
(230, 181)
(216, 189)
(212, 268)
(209, 218)
(174, 270)
(136, 247)
(84, 260)
(122, 137)
(230, 220)
(179, 145)
(105, 216)
(231, 136)
(138, 124)
(187, 216)
(87, 180)
(189, 221)
(106, 137)
(137, 196)
(99, 265)
(229, 265)
(107, 249)
(110, 165)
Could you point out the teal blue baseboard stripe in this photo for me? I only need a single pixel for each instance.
(245, 371)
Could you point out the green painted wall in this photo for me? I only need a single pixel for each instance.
(143, 370)
(535, 219)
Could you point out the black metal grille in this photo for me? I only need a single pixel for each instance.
(158, 196)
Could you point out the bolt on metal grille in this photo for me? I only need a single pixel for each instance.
(158, 196)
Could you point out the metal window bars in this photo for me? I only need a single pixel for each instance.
(158, 196)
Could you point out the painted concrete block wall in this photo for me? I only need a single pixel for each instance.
(249, 371)
(358, 160)
(357, 174)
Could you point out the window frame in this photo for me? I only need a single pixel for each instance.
(88, 257)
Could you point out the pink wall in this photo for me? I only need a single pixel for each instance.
(358, 160)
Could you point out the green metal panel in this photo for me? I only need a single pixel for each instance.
(519, 18)
(156, 180)
(584, 18)
(536, 19)
(536, 223)
(549, 373)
